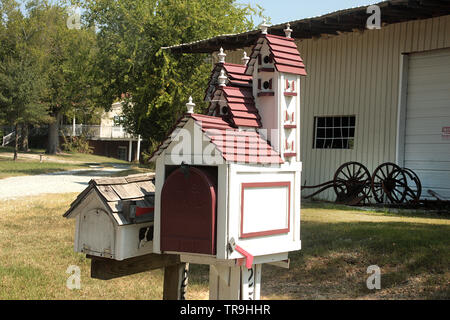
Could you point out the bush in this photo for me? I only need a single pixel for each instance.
(77, 144)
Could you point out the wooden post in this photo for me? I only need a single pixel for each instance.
(224, 282)
(106, 269)
(251, 283)
(175, 281)
(234, 283)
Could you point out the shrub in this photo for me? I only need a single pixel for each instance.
(77, 144)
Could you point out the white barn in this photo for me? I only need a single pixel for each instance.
(385, 91)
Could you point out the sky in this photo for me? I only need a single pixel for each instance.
(281, 11)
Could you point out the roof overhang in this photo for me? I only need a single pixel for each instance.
(347, 20)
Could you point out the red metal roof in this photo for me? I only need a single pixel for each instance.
(233, 144)
(286, 57)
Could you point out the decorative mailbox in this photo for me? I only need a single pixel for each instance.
(227, 183)
(233, 175)
(114, 217)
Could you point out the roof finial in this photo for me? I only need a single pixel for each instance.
(288, 31)
(222, 78)
(245, 58)
(222, 56)
(263, 26)
(190, 106)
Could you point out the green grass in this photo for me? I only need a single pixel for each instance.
(29, 164)
(9, 168)
(36, 248)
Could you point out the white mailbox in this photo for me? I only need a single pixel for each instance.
(231, 179)
(114, 217)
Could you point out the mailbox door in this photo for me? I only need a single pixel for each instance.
(188, 212)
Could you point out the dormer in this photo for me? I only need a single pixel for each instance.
(230, 95)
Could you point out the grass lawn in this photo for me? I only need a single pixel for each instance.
(29, 164)
(36, 248)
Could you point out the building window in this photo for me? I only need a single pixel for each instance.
(118, 120)
(334, 132)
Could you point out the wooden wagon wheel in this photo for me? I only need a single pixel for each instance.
(413, 186)
(352, 183)
(389, 183)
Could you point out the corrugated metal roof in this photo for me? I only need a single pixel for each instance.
(346, 20)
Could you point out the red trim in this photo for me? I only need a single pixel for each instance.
(248, 256)
(290, 126)
(140, 211)
(290, 154)
(265, 185)
(266, 94)
(292, 94)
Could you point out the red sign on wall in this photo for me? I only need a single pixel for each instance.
(446, 132)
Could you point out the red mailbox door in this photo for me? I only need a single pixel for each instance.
(188, 212)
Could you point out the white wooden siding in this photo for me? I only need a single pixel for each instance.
(357, 73)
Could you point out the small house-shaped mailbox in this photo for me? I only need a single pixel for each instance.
(114, 217)
(231, 178)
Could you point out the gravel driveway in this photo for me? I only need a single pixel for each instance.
(57, 182)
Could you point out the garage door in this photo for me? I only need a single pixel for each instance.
(427, 140)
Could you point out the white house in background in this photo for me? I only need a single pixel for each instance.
(109, 138)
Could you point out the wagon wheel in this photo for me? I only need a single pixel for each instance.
(352, 183)
(389, 183)
(413, 186)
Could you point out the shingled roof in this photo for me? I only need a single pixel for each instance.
(235, 74)
(284, 51)
(114, 191)
(233, 144)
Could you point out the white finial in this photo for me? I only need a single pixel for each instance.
(222, 78)
(245, 58)
(288, 31)
(222, 56)
(263, 26)
(190, 106)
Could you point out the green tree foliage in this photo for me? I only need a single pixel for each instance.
(67, 59)
(155, 83)
(21, 83)
(46, 67)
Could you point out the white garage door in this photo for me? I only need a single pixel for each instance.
(427, 140)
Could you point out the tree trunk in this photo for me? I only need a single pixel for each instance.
(16, 142)
(25, 134)
(53, 135)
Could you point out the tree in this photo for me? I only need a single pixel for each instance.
(20, 81)
(67, 56)
(130, 35)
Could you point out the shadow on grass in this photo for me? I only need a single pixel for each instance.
(335, 257)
